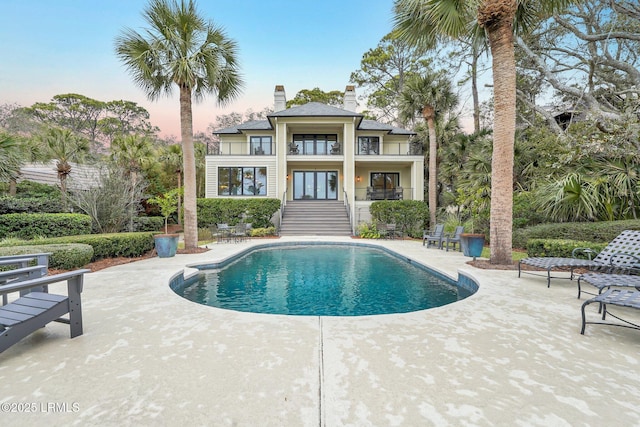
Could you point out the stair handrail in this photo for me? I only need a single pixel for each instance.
(348, 208)
(282, 205)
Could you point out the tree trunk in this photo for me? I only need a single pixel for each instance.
(504, 84)
(474, 89)
(189, 161)
(429, 113)
(180, 198)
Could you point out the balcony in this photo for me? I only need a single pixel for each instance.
(242, 148)
(390, 149)
(373, 194)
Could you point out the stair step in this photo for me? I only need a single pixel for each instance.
(319, 218)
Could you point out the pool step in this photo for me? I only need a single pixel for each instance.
(315, 218)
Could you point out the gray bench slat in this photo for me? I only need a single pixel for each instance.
(32, 305)
(24, 271)
(43, 296)
(39, 303)
(40, 281)
(20, 308)
(16, 261)
(5, 321)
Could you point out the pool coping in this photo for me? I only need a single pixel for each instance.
(464, 281)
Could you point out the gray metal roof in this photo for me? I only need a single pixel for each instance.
(252, 125)
(313, 109)
(373, 125)
(81, 176)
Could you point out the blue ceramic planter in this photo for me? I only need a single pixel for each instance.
(166, 244)
(472, 244)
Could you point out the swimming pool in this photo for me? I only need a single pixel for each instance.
(321, 280)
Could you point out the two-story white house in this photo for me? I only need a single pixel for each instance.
(316, 152)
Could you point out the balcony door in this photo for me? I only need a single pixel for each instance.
(315, 185)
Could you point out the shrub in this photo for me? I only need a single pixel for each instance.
(148, 223)
(262, 232)
(31, 189)
(30, 226)
(63, 256)
(410, 216)
(114, 204)
(560, 248)
(367, 231)
(603, 231)
(258, 211)
(107, 245)
(10, 205)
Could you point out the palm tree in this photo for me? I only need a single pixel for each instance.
(421, 21)
(429, 95)
(172, 157)
(65, 147)
(181, 48)
(10, 161)
(132, 153)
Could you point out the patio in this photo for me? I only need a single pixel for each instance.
(511, 354)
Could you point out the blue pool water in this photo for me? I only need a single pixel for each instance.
(321, 281)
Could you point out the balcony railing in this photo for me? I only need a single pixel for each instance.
(392, 149)
(314, 149)
(370, 193)
(243, 149)
(240, 149)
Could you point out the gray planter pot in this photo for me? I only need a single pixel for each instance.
(472, 244)
(166, 244)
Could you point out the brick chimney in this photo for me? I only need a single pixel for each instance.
(350, 98)
(280, 99)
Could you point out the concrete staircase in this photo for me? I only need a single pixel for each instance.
(315, 218)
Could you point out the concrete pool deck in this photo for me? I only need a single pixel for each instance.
(511, 354)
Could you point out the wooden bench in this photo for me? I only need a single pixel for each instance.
(33, 310)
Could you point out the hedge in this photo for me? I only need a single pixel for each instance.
(30, 226)
(104, 245)
(259, 211)
(603, 231)
(9, 205)
(561, 248)
(63, 257)
(148, 223)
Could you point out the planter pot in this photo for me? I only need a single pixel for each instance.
(166, 244)
(472, 244)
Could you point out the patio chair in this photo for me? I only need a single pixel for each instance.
(223, 232)
(335, 148)
(454, 238)
(381, 227)
(239, 232)
(621, 254)
(393, 231)
(615, 297)
(293, 148)
(604, 281)
(398, 193)
(436, 236)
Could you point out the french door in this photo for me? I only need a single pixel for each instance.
(315, 185)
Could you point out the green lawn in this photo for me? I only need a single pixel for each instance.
(516, 256)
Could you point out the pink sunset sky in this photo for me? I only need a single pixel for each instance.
(67, 46)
